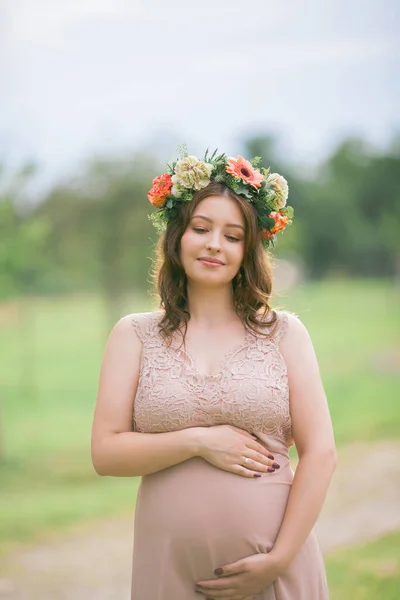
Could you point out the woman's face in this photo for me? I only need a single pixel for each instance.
(212, 247)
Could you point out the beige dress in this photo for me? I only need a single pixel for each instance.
(193, 517)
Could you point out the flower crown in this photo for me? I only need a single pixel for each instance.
(267, 192)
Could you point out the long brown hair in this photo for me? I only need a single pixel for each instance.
(252, 285)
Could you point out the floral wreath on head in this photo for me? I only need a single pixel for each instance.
(267, 192)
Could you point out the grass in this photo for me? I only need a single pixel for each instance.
(367, 572)
(50, 357)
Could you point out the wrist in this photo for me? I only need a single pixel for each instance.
(195, 437)
(280, 561)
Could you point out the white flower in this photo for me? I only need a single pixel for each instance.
(176, 190)
(191, 173)
(280, 187)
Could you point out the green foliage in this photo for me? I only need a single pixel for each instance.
(159, 221)
(23, 237)
(100, 232)
(244, 191)
(92, 232)
(347, 211)
(289, 211)
(366, 572)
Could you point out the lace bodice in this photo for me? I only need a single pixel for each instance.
(250, 391)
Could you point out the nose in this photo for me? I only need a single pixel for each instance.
(213, 245)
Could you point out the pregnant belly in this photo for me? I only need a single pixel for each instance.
(202, 517)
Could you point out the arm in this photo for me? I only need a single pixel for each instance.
(116, 450)
(313, 436)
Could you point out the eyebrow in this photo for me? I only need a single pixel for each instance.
(211, 221)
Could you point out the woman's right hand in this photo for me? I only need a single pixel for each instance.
(227, 448)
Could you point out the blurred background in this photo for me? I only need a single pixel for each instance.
(95, 97)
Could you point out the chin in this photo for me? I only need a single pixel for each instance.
(209, 279)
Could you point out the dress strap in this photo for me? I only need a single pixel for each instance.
(145, 324)
(279, 328)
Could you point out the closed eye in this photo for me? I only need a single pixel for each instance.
(231, 238)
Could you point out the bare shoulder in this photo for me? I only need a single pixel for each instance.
(124, 326)
(296, 345)
(122, 355)
(284, 326)
(293, 334)
(124, 334)
(294, 326)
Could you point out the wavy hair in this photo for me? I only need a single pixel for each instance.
(252, 285)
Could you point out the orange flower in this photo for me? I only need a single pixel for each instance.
(161, 188)
(242, 168)
(280, 223)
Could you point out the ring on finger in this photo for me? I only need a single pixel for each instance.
(245, 460)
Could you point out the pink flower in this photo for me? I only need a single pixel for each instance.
(242, 168)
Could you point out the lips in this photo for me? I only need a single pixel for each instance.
(211, 260)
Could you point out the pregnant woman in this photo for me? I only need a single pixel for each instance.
(204, 397)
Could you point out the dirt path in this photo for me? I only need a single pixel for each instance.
(95, 563)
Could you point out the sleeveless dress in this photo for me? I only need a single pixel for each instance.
(193, 517)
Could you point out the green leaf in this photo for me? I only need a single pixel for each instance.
(219, 177)
(186, 196)
(213, 154)
(289, 211)
(265, 171)
(266, 222)
(159, 220)
(171, 167)
(243, 190)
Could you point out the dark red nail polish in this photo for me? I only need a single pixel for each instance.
(276, 466)
(257, 475)
(271, 470)
(271, 457)
(218, 572)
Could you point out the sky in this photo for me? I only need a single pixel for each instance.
(105, 76)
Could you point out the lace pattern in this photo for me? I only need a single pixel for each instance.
(250, 391)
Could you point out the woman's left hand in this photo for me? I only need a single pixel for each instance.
(241, 580)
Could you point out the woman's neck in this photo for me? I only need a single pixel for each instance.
(210, 306)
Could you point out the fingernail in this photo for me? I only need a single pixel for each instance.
(257, 475)
(271, 457)
(218, 572)
(271, 470)
(276, 466)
